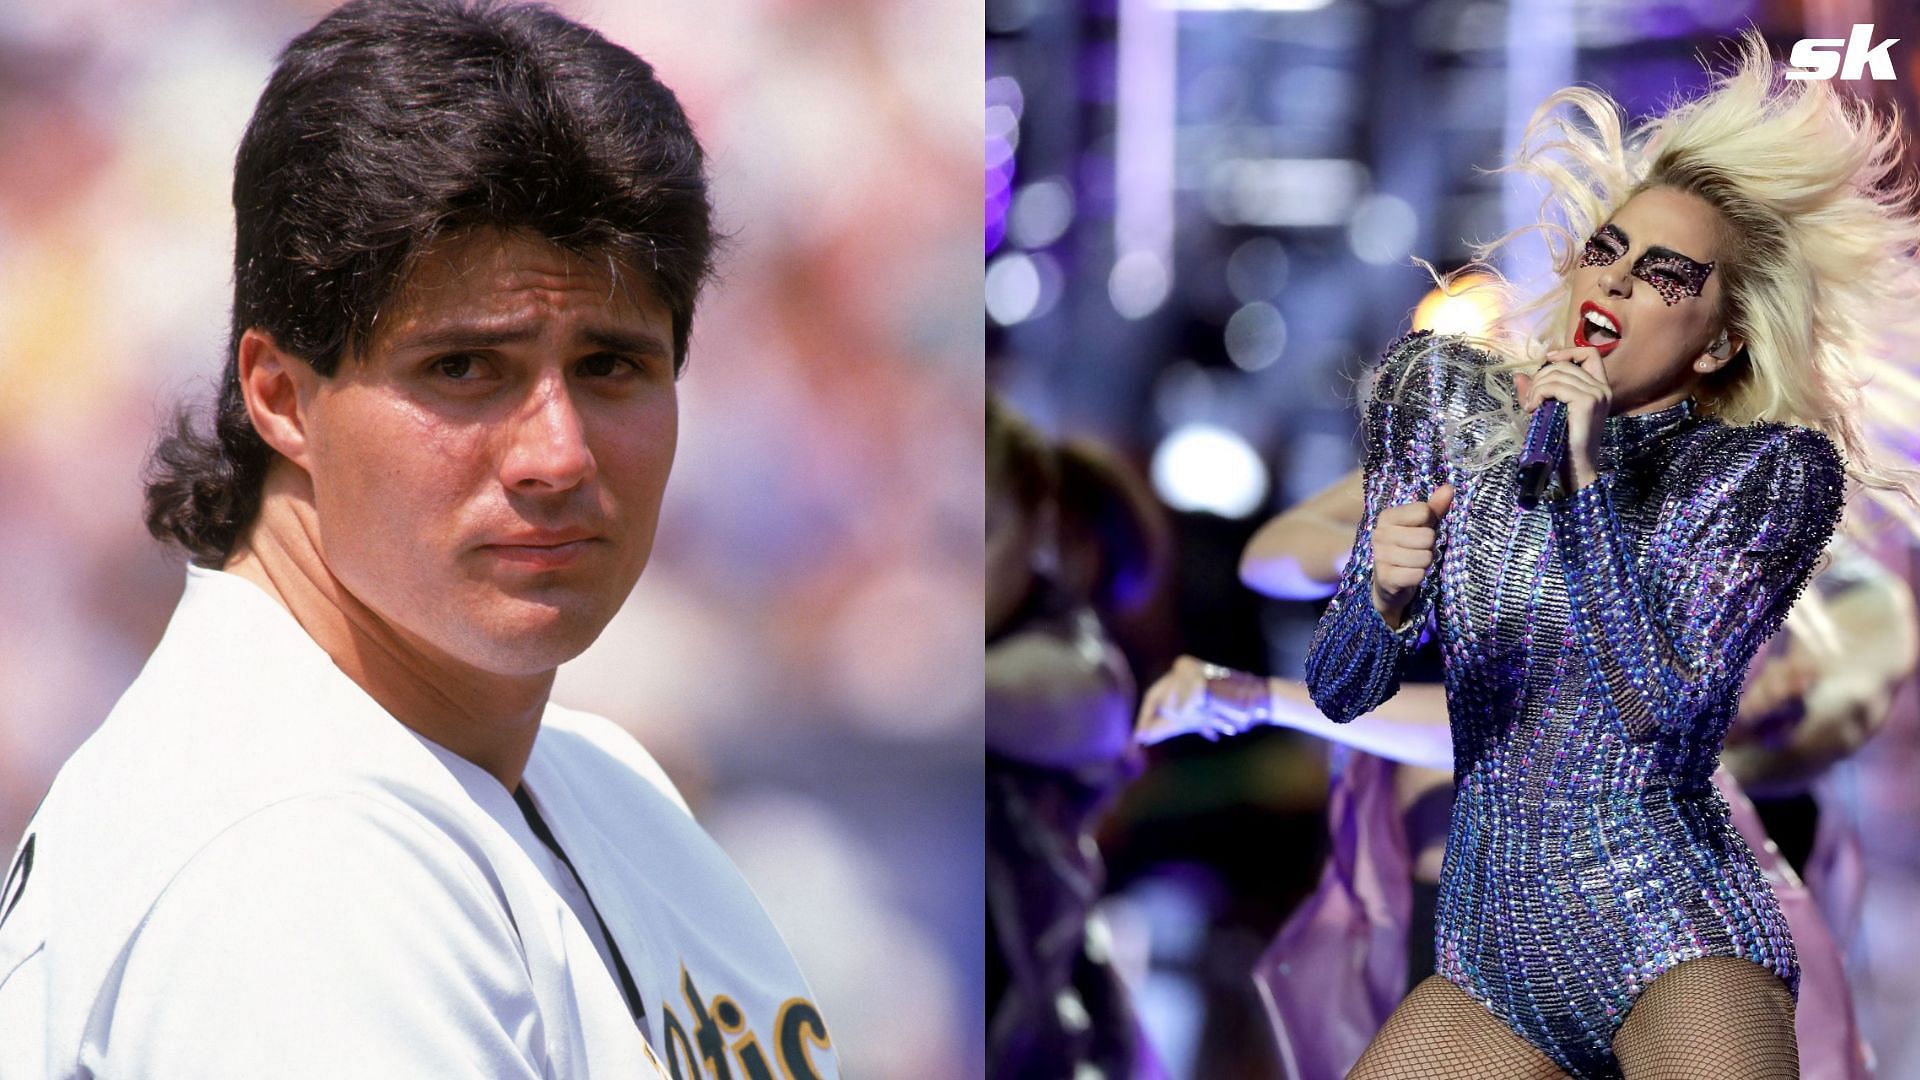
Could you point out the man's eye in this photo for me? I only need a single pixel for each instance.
(458, 366)
(600, 365)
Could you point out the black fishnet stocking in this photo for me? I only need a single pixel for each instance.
(1438, 1031)
(1717, 1016)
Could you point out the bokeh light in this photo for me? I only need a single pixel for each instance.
(1206, 467)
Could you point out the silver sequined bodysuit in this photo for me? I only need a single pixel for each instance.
(1594, 648)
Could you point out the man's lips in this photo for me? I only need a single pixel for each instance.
(1580, 329)
(541, 552)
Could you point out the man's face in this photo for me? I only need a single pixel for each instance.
(487, 474)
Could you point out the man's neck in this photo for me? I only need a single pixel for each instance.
(488, 719)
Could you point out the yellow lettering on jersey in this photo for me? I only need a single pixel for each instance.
(706, 1034)
(797, 1027)
(720, 1037)
(746, 1048)
(679, 1046)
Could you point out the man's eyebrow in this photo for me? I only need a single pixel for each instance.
(613, 339)
(478, 337)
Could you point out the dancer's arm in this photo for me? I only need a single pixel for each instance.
(1300, 554)
(1058, 694)
(1410, 728)
(1846, 696)
(1674, 633)
(1198, 698)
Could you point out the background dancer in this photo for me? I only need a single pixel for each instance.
(1059, 748)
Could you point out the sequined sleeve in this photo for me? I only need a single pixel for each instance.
(1355, 659)
(1671, 633)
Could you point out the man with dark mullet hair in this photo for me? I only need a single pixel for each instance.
(335, 828)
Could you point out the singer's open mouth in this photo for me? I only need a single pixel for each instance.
(1598, 329)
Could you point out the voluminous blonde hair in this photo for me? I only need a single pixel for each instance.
(1819, 256)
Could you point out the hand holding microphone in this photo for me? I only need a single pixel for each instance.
(1569, 398)
(1403, 545)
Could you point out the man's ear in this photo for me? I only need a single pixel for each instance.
(277, 387)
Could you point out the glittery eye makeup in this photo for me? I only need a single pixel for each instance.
(1604, 247)
(1674, 276)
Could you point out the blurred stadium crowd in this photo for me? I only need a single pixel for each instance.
(800, 653)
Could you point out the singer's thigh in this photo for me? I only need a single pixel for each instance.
(1711, 1017)
(1439, 1031)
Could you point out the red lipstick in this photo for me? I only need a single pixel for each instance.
(1580, 329)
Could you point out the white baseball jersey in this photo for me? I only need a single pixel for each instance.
(252, 869)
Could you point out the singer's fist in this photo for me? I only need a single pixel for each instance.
(1403, 547)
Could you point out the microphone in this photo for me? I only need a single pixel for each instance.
(1540, 456)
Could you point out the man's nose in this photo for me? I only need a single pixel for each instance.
(546, 445)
